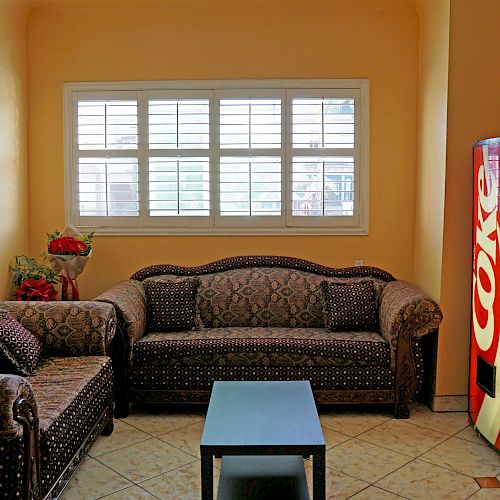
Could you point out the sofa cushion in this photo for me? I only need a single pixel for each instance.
(169, 278)
(171, 306)
(264, 297)
(20, 350)
(244, 346)
(349, 306)
(71, 393)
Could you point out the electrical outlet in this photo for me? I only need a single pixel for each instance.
(358, 262)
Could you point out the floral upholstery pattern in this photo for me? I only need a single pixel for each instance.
(67, 328)
(19, 348)
(240, 346)
(264, 297)
(72, 393)
(129, 299)
(404, 307)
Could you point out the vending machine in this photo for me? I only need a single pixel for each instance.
(484, 385)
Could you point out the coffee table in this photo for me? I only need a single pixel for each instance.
(262, 418)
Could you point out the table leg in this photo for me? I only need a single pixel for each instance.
(207, 477)
(319, 486)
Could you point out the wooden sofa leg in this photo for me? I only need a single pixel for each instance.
(121, 409)
(110, 424)
(402, 409)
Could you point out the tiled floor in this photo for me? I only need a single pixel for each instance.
(154, 453)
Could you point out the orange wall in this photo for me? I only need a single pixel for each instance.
(13, 137)
(216, 39)
(473, 113)
(434, 22)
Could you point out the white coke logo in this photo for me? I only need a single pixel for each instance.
(487, 238)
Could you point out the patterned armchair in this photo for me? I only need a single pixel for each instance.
(49, 419)
(355, 333)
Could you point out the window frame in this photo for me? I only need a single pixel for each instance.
(286, 224)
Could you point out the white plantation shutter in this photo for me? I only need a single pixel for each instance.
(178, 124)
(106, 177)
(250, 158)
(178, 164)
(179, 187)
(250, 123)
(250, 186)
(208, 157)
(324, 177)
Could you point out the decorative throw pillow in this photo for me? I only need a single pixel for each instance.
(172, 278)
(349, 306)
(18, 346)
(171, 306)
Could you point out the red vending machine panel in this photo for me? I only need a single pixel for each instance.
(484, 386)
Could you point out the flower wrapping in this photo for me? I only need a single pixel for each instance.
(68, 254)
(68, 266)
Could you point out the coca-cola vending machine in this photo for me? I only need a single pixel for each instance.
(484, 386)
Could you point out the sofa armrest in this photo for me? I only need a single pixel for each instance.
(406, 311)
(19, 438)
(82, 328)
(13, 388)
(129, 299)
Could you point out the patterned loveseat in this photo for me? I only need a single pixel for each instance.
(262, 318)
(49, 420)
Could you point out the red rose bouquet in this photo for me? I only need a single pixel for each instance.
(69, 252)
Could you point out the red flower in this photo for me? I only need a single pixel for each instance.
(67, 245)
(36, 290)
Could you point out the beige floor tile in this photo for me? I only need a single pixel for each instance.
(472, 459)
(403, 437)
(161, 420)
(146, 459)
(333, 438)
(93, 480)
(374, 493)
(183, 483)
(123, 435)
(470, 434)
(420, 480)
(486, 494)
(364, 460)
(353, 423)
(187, 438)
(338, 485)
(132, 493)
(446, 422)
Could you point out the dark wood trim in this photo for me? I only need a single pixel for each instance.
(203, 397)
(26, 414)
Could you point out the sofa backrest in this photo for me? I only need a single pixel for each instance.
(263, 297)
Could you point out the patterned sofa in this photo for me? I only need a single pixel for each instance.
(49, 420)
(262, 318)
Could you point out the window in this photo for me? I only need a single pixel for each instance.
(274, 156)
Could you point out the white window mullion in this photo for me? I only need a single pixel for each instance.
(288, 192)
(143, 150)
(214, 158)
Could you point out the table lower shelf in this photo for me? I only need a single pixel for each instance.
(263, 477)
